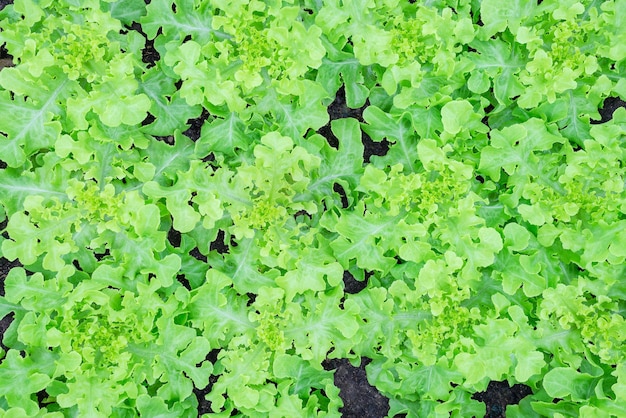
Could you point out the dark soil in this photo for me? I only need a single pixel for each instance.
(5, 268)
(149, 54)
(6, 60)
(498, 395)
(360, 399)
(204, 406)
(610, 105)
(338, 109)
(351, 284)
(4, 325)
(4, 3)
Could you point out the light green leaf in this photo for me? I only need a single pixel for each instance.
(303, 374)
(500, 61)
(397, 130)
(188, 20)
(157, 408)
(357, 240)
(528, 364)
(125, 10)
(497, 16)
(327, 325)
(516, 149)
(343, 166)
(514, 275)
(32, 126)
(341, 67)
(171, 112)
(314, 271)
(17, 185)
(216, 308)
(563, 382)
(516, 237)
(21, 378)
(456, 115)
(227, 136)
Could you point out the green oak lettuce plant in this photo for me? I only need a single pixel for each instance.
(489, 237)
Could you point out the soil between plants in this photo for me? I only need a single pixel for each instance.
(361, 400)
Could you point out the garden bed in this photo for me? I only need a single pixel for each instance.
(312, 209)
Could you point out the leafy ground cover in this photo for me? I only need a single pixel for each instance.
(303, 208)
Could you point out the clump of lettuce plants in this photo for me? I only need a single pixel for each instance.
(155, 263)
